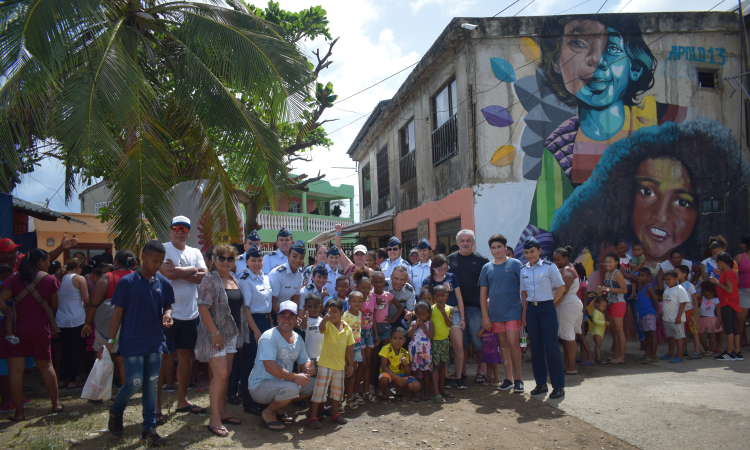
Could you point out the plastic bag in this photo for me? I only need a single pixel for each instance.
(99, 384)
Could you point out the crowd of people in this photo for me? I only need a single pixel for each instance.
(341, 331)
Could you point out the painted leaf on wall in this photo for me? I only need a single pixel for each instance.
(503, 70)
(529, 49)
(497, 116)
(503, 156)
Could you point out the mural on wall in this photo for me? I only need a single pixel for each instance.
(609, 160)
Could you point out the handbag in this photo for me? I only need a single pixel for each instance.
(31, 289)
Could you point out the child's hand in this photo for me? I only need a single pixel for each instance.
(377, 341)
(678, 321)
(349, 370)
(713, 279)
(404, 360)
(400, 381)
(420, 323)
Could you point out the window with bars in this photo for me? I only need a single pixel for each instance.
(366, 186)
(384, 182)
(408, 162)
(295, 207)
(712, 204)
(445, 134)
(446, 232)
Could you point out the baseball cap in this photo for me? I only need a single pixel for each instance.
(7, 245)
(360, 248)
(288, 306)
(414, 250)
(181, 220)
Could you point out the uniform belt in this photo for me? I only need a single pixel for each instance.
(262, 315)
(538, 303)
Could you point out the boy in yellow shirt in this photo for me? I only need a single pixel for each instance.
(336, 362)
(395, 368)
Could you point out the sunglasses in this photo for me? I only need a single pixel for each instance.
(393, 249)
(180, 228)
(225, 259)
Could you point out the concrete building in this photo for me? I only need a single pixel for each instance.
(529, 126)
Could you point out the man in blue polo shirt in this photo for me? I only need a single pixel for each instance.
(143, 306)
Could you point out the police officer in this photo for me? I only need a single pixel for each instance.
(251, 239)
(394, 258)
(317, 285)
(256, 291)
(542, 289)
(281, 255)
(334, 255)
(421, 270)
(287, 278)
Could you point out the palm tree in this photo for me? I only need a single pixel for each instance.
(144, 93)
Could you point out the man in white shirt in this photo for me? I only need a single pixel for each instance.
(286, 279)
(252, 238)
(185, 268)
(394, 258)
(281, 255)
(421, 270)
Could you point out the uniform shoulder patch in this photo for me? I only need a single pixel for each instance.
(409, 287)
(281, 268)
(245, 275)
(310, 287)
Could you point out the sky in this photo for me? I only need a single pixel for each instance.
(377, 39)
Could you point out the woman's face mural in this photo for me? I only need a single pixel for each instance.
(664, 211)
(593, 63)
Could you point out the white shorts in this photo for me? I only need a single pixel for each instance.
(229, 347)
(276, 389)
(673, 330)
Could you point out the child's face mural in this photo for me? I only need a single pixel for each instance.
(593, 63)
(664, 211)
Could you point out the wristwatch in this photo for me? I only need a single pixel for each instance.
(110, 341)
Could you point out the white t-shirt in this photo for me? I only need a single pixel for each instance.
(690, 289)
(313, 338)
(185, 293)
(708, 307)
(670, 304)
(666, 266)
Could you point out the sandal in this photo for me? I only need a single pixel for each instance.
(58, 411)
(694, 355)
(399, 397)
(438, 399)
(707, 354)
(415, 398)
(386, 401)
(615, 362)
(218, 431)
(372, 397)
(480, 378)
(274, 426)
(339, 419)
(602, 361)
(313, 423)
(586, 364)
(426, 397)
(493, 383)
(447, 394)
(648, 361)
(191, 409)
(159, 419)
(235, 421)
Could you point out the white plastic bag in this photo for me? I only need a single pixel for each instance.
(99, 384)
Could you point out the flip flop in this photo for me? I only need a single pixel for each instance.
(614, 361)
(160, 420)
(426, 397)
(191, 409)
(447, 394)
(13, 419)
(233, 421)
(58, 411)
(586, 364)
(415, 399)
(438, 399)
(571, 373)
(218, 431)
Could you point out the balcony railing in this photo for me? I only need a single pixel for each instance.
(445, 141)
(408, 167)
(300, 222)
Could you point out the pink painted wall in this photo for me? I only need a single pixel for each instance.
(458, 204)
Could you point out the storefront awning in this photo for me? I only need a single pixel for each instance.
(374, 224)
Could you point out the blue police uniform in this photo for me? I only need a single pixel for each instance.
(419, 272)
(254, 239)
(539, 282)
(274, 260)
(285, 283)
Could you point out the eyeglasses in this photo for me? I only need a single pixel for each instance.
(442, 269)
(225, 259)
(393, 249)
(180, 228)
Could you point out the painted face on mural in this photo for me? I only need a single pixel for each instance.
(593, 63)
(664, 211)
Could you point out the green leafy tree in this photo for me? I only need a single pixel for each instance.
(145, 93)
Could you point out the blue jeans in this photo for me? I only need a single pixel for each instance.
(634, 308)
(247, 360)
(473, 319)
(542, 326)
(140, 371)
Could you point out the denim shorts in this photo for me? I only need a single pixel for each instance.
(384, 330)
(358, 351)
(456, 318)
(368, 338)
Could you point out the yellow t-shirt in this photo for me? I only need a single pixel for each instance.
(441, 328)
(333, 353)
(355, 323)
(394, 360)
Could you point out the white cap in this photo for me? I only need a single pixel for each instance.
(288, 306)
(360, 248)
(181, 220)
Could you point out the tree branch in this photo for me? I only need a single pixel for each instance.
(302, 186)
(292, 149)
(323, 63)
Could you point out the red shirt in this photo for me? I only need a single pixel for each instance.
(725, 298)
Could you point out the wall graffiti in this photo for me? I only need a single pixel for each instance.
(610, 158)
